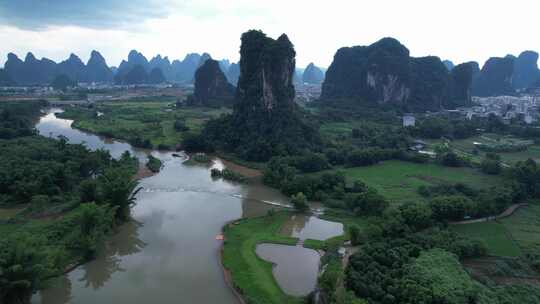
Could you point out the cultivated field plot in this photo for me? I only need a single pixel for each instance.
(524, 227)
(511, 236)
(494, 234)
(467, 146)
(398, 181)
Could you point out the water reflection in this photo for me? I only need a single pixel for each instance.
(311, 227)
(58, 293)
(296, 268)
(169, 253)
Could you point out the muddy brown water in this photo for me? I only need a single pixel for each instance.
(168, 253)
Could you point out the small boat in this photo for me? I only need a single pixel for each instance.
(220, 237)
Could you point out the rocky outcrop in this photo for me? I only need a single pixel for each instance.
(379, 72)
(265, 120)
(312, 74)
(525, 70)
(461, 85)
(384, 73)
(211, 86)
(97, 69)
(266, 74)
(429, 84)
(495, 78)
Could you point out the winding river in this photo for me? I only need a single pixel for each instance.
(169, 252)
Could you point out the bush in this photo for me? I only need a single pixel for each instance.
(299, 201)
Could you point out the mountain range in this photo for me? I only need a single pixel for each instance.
(33, 71)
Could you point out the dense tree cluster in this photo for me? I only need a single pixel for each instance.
(90, 190)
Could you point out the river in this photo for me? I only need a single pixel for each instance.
(169, 252)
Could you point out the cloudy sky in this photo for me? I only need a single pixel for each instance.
(460, 30)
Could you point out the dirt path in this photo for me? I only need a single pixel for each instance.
(506, 213)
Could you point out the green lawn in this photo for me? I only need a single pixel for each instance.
(494, 234)
(252, 275)
(149, 120)
(398, 181)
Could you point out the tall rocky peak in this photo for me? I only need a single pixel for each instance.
(97, 69)
(233, 73)
(461, 84)
(266, 74)
(265, 121)
(312, 74)
(384, 73)
(495, 78)
(429, 84)
(211, 85)
(30, 58)
(525, 70)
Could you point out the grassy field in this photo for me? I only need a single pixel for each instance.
(494, 234)
(252, 275)
(398, 181)
(149, 120)
(510, 236)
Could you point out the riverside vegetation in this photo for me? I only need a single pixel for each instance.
(67, 199)
(345, 152)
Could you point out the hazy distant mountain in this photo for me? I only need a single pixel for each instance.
(73, 68)
(32, 71)
(156, 76)
(97, 69)
(233, 73)
(525, 70)
(5, 79)
(312, 74)
(495, 78)
(448, 64)
(164, 65)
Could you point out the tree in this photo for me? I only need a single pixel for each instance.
(94, 223)
(299, 202)
(452, 208)
(118, 190)
(23, 268)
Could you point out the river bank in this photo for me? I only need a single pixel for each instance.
(170, 247)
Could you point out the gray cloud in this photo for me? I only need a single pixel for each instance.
(38, 15)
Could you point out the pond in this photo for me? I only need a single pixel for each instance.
(296, 268)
